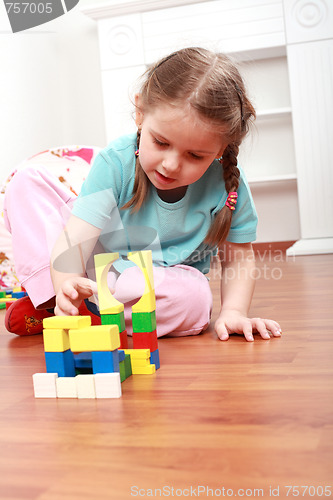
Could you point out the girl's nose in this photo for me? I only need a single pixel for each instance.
(171, 163)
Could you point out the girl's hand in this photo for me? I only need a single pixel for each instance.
(232, 321)
(71, 293)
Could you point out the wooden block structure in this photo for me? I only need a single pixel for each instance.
(85, 361)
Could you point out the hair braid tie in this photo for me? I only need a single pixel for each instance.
(231, 200)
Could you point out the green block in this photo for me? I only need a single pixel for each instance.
(2, 305)
(125, 368)
(122, 371)
(128, 365)
(3, 295)
(114, 319)
(144, 321)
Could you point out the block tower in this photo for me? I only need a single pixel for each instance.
(72, 345)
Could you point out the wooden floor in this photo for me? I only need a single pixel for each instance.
(217, 420)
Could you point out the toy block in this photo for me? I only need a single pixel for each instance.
(19, 295)
(55, 340)
(61, 363)
(17, 289)
(138, 353)
(145, 340)
(95, 338)
(9, 303)
(144, 321)
(45, 385)
(66, 387)
(143, 370)
(107, 303)
(7, 299)
(143, 260)
(105, 361)
(85, 385)
(155, 358)
(114, 319)
(108, 385)
(128, 365)
(123, 340)
(121, 355)
(122, 371)
(66, 322)
(3, 305)
(83, 361)
(3, 294)
(125, 367)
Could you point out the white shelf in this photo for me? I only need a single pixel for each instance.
(273, 113)
(273, 178)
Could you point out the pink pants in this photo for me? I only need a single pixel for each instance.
(37, 206)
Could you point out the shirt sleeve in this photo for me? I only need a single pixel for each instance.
(100, 192)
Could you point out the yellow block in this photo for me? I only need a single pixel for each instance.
(144, 261)
(3, 300)
(107, 303)
(95, 338)
(55, 340)
(66, 322)
(143, 370)
(138, 353)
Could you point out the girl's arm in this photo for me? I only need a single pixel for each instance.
(68, 265)
(237, 286)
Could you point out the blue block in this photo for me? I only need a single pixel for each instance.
(155, 359)
(121, 355)
(18, 295)
(105, 361)
(83, 360)
(61, 363)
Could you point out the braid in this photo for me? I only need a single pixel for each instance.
(220, 227)
(141, 183)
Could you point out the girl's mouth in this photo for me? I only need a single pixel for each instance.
(162, 179)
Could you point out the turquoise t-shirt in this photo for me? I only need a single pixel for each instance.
(175, 232)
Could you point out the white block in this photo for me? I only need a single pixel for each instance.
(45, 385)
(85, 385)
(108, 385)
(66, 387)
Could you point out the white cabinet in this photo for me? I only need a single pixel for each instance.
(284, 48)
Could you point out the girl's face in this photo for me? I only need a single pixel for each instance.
(176, 147)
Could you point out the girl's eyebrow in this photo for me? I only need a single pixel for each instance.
(163, 139)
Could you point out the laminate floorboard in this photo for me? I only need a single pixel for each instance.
(219, 419)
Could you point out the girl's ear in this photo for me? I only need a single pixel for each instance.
(138, 110)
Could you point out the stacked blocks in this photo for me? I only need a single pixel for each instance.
(85, 361)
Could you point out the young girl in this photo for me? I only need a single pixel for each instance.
(176, 188)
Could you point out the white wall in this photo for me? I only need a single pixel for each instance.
(50, 87)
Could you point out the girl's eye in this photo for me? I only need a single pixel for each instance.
(160, 143)
(196, 157)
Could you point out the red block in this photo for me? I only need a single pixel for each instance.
(145, 340)
(123, 340)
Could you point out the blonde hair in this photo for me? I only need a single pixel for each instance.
(213, 86)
